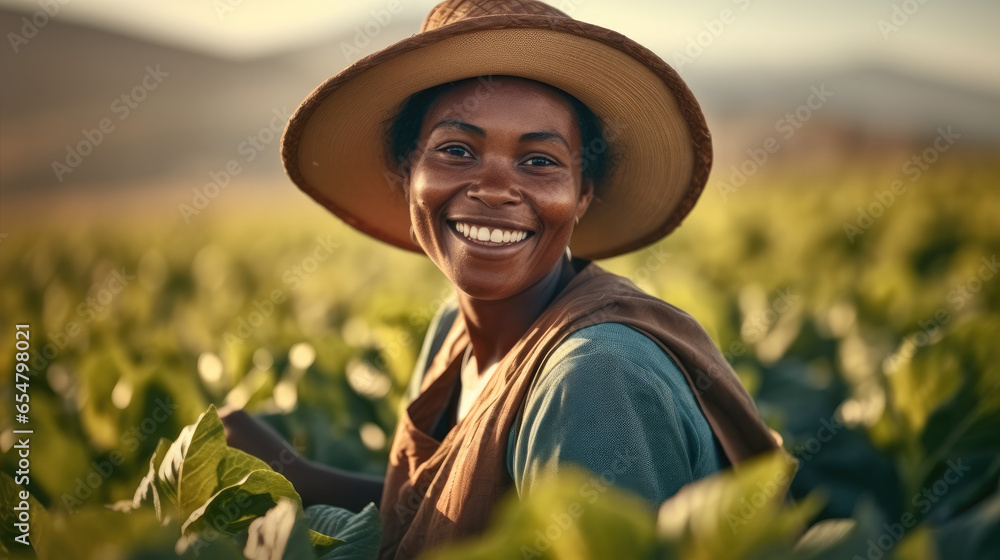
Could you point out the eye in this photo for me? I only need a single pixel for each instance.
(455, 150)
(540, 161)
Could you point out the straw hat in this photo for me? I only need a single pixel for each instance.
(333, 145)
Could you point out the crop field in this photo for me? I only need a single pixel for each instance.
(860, 308)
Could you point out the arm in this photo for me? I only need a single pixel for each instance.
(315, 483)
(610, 400)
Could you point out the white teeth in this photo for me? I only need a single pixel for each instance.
(497, 235)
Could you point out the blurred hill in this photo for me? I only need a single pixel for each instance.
(69, 77)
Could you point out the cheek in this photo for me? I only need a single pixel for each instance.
(557, 205)
(429, 195)
(426, 193)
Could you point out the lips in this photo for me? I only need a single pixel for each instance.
(487, 234)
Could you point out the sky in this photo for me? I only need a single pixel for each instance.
(901, 69)
(954, 40)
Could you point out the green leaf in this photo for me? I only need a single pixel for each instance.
(974, 535)
(210, 483)
(360, 533)
(826, 534)
(737, 514)
(148, 486)
(280, 533)
(573, 516)
(946, 400)
(233, 508)
(836, 539)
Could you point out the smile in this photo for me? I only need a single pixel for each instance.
(486, 234)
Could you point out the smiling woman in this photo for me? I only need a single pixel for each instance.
(485, 142)
(504, 169)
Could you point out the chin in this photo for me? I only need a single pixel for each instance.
(488, 289)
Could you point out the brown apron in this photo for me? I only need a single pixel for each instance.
(437, 492)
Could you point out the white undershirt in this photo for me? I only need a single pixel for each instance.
(472, 383)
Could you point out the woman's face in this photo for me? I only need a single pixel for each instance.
(495, 186)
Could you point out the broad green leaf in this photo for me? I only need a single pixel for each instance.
(946, 402)
(233, 508)
(572, 516)
(280, 533)
(323, 543)
(737, 514)
(360, 533)
(148, 487)
(199, 471)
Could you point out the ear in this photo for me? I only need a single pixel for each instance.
(586, 196)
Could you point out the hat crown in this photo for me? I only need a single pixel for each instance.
(451, 11)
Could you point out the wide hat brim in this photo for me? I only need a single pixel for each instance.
(333, 145)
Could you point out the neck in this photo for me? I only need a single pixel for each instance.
(495, 326)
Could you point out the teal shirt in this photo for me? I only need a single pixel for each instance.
(608, 399)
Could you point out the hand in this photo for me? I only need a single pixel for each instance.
(316, 484)
(246, 433)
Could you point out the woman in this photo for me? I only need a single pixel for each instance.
(500, 119)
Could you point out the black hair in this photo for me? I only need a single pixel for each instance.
(402, 131)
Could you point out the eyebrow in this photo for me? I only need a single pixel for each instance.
(526, 137)
(460, 125)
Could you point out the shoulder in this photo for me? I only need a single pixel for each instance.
(611, 353)
(609, 366)
(610, 390)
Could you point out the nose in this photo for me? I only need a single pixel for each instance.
(496, 184)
